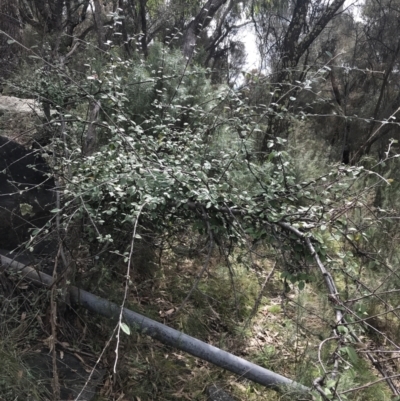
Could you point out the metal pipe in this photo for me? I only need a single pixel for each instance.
(163, 333)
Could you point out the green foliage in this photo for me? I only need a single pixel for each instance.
(176, 155)
(178, 152)
(162, 149)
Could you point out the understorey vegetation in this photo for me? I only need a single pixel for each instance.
(254, 210)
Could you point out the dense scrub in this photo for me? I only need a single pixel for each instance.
(256, 211)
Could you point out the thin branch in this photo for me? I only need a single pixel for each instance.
(127, 280)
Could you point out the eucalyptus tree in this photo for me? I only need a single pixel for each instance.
(383, 47)
(359, 62)
(11, 25)
(287, 32)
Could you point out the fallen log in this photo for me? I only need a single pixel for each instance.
(162, 333)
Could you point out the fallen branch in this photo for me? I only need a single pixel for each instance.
(333, 295)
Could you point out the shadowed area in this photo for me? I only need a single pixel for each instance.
(26, 193)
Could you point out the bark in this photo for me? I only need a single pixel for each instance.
(59, 19)
(98, 18)
(91, 134)
(49, 13)
(375, 134)
(201, 21)
(293, 48)
(10, 23)
(161, 332)
(144, 27)
(326, 17)
(75, 14)
(124, 31)
(219, 35)
(335, 86)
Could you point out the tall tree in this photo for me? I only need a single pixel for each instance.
(298, 32)
(11, 25)
(383, 45)
(198, 24)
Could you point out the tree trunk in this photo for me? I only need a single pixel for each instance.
(98, 18)
(143, 20)
(201, 21)
(291, 51)
(91, 134)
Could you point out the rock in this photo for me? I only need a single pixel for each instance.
(20, 119)
(16, 105)
(215, 393)
(26, 193)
